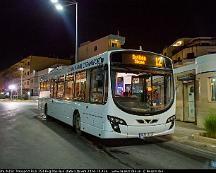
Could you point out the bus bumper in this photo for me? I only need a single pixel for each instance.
(140, 131)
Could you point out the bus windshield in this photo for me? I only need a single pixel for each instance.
(142, 91)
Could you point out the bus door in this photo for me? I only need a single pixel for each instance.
(97, 81)
(56, 105)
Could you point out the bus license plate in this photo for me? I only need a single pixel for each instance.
(144, 135)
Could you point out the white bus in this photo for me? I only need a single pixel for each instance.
(117, 94)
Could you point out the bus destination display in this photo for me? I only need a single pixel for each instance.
(140, 58)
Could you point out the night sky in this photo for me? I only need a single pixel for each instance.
(34, 27)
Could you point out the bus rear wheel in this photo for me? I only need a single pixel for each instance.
(76, 123)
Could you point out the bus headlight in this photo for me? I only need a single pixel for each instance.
(114, 121)
(171, 119)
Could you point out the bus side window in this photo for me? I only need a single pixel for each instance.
(80, 86)
(69, 87)
(55, 88)
(48, 85)
(97, 85)
(52, 82)
(44, 86)
(105, 83)
(60, 87)
(41, 85)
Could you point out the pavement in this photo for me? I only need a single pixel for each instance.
(189, 134)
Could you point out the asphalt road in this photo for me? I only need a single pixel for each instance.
(28, 141)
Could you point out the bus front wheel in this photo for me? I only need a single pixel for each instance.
(76, 123)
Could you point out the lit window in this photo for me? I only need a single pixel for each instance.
(213, 88)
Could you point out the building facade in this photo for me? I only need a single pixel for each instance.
(189, 48)
(193, 86)
(196, 89)
(33, 67)
(30, 67)
(35, 77)
(110, 42)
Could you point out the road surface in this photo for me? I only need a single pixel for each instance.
(28, 141)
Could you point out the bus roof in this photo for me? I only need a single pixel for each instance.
(94, 61)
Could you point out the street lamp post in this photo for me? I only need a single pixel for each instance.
(21, 79)
(60, 7)
(76, 49)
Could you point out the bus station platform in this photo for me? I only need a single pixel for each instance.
(189, 134)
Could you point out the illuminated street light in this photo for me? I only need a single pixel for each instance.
(178, 43)
(12, 87)
(21, 79)
(60, 7)
(54, 1)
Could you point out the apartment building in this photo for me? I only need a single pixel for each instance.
(110, 42)
(194, 71)
(189, 48)
(30, 66)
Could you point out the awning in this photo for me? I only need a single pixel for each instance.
(187, 77)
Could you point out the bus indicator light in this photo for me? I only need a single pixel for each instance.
(139, 59)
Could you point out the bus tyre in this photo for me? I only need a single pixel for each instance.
(76, 123)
